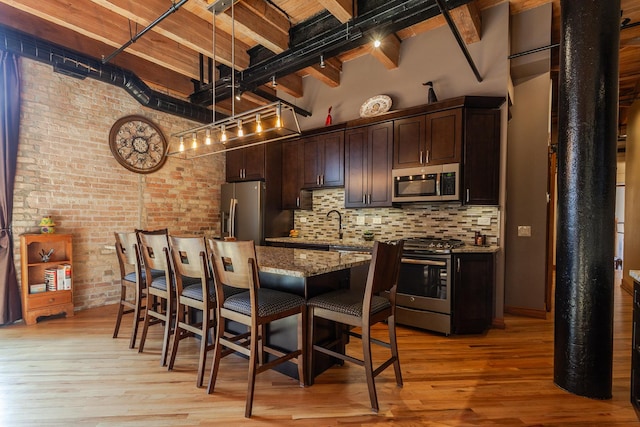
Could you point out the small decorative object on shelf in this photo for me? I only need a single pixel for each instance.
(431, 96)
(329, 119)
(294, 233)
(46, 255)
(47, 225)
(368, 235)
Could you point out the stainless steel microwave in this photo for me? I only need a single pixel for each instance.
(437, 183)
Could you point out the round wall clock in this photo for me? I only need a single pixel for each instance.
(138, 144)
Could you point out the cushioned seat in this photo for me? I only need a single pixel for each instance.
(355, 309)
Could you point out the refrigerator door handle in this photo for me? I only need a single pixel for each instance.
(232, 217)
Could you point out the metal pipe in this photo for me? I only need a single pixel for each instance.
(456, 33)
(133, 39)
(534, 50)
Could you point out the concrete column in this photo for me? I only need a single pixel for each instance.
(587, 138)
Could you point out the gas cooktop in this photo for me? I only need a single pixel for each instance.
(430, 244)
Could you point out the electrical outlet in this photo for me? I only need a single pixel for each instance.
(377, 220)
(524, 231)
(303, 219)
(484, 220)
(360, 220)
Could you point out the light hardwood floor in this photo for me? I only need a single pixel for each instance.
(70, 372)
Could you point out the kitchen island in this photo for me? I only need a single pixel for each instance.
(306, 273)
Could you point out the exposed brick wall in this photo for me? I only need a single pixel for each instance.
(66, 170)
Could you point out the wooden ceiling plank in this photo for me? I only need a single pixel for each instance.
(182, 26)
(259, 29)
(341, 9)
(270, 14)
(388, 53)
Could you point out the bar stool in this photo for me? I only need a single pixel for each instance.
(189, 260)
(353, 309)
(234, 265)
(154, 248)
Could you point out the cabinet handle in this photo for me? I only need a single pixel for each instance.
(322, 179)
(467, 195)
(427, 157)
(458, 264)
(421, 155)
(317, 179)
(298, 201)
(364, 199)
(369, 198)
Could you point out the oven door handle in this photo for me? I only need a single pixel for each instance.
(424, 262)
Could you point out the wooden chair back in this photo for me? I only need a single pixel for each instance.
(234, 263)
(189, 258)
(154, 249)
(126, 249)
(383, 271)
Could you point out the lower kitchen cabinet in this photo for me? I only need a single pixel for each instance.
(368, 162)
(472, 302)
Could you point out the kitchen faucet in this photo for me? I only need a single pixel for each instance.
(339, 221)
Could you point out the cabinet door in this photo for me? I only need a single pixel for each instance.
(380, 163)
(444, 137)
(311, 159)
(409, 142)
(235, 165)
(254, 161)
(333, 159)
(481, 173)
(291, 174)
(472, 303)
(356, 156)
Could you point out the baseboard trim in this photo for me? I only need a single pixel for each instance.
(498, 323)
(526, 312)
(627, 285)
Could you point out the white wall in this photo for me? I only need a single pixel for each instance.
(432, 56)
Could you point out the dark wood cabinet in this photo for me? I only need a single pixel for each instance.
(368, 154)
(323, 157)
(430, 139)
(246, 164)
(472, 299)
(293, 197)
(481, 164)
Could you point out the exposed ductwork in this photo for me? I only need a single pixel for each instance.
(78, 65)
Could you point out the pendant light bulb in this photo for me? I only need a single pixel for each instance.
(194, 141)
(278, 116)
(223, 136)
(207, 139)
(258, 123)
(376, 43)
(240, 130)
(181, 148)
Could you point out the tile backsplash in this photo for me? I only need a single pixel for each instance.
(444, 220)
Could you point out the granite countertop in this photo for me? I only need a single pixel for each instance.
(368, 245)
(306, 262)
(635, 275)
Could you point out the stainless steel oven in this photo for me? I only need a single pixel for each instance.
(424, 285)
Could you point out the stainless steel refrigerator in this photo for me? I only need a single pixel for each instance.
(249, 211)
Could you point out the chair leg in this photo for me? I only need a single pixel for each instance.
(217, 355)
(204, 344)
(177, 337)
(145, 326)
(136, 321)
(123, 294)
(368, 366)
(310, 342)
(391, 322)
(169, 313)
(253, 361)
(302, 345)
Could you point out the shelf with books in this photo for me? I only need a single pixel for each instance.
(47, 275)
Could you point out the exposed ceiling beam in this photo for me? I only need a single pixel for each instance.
(341, 9)
(329, 75)
(388, 53)
(259, 28)
(468, 21)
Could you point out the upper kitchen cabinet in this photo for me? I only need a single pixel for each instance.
(293, 197)
(246, 164)
(323, 157)
(431, 139)
(368, 154)
(481, 163)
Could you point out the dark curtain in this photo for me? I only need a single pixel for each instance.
(10, 307)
